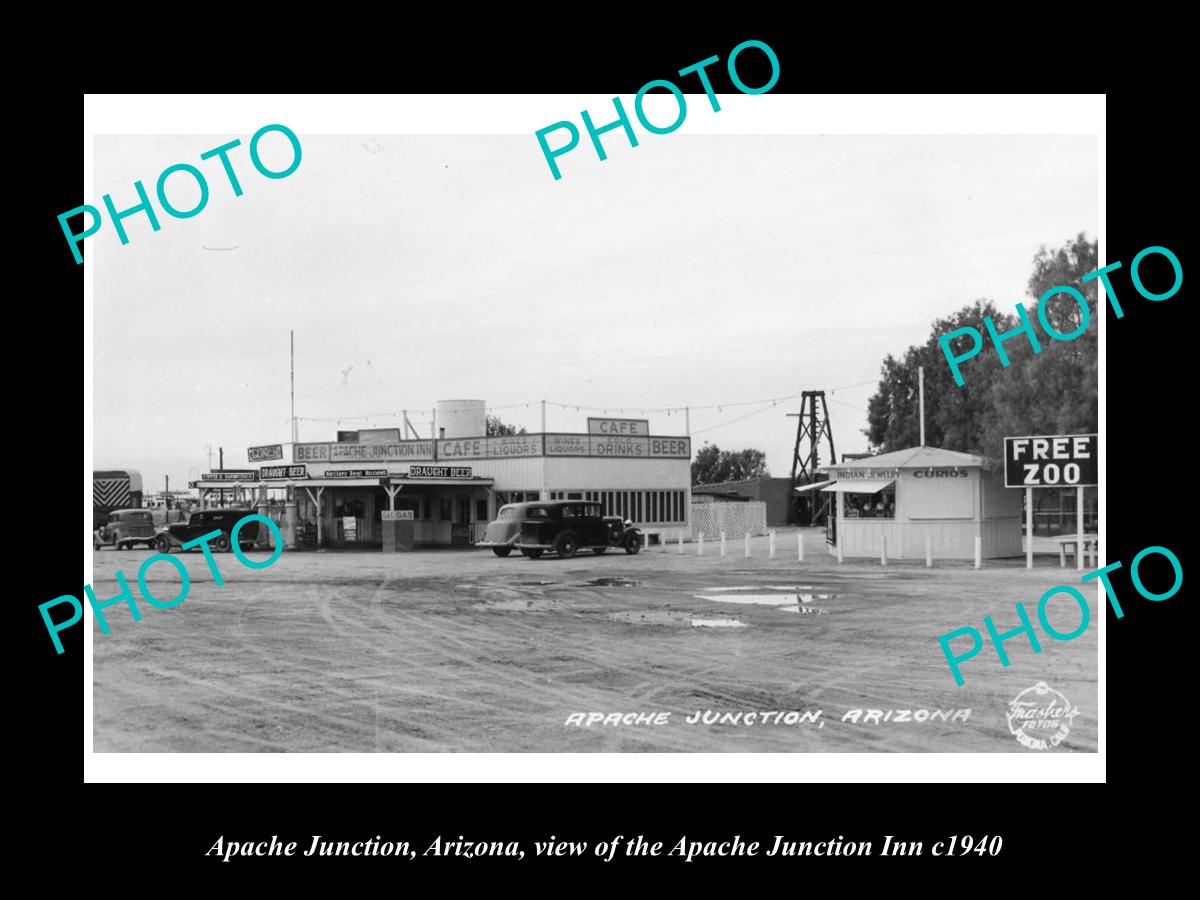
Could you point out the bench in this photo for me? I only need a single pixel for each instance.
(1089, 540)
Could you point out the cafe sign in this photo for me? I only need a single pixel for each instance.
(507, 447)
(619, 427)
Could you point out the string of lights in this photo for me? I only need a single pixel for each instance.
(415, 414)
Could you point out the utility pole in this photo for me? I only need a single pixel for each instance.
(811, 427)
(295, 432)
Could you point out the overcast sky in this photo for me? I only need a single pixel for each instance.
(690, 271)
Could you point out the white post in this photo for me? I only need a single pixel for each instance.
(747, 545)
(928, 551)
(841, 522)
(700, 545)
(921, 391)
(681, 544)
(722, 543)
(1079, 528)
(978, 552)
(1029, 528)
(771, 544)
(800, 546)
(883, 550)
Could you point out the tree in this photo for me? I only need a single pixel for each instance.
(497, 427)
(1054, 391)
(713, 465)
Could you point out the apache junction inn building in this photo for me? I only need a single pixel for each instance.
(337, 492)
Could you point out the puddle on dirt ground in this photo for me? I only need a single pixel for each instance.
(767, 599)
(536, 583)
(790, 600)
(666, 617)
(762, 587)
(518, 605)
(614, 581)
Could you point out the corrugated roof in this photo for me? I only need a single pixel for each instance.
(913, 458)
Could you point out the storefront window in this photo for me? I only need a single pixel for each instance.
(871, 506)
(352, 506)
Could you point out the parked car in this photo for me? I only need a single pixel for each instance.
(568, 526)
(503, 531)
(125, 528)
(201, 522)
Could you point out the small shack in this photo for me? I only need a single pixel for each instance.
(774, 492)
(924, 494)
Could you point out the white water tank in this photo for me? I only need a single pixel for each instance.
(461, 418)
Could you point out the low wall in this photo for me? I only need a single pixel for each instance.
(735, 519)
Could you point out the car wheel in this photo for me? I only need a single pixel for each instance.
(565, 546)
(598, 550)
(162, 544)
(120, 545)
(96, 545)
(222, 543)
(633, 544)
(502, 551)
(532, 552)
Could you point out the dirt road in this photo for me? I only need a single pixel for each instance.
(461, 651)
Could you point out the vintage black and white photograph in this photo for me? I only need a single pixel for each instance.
(770, 443)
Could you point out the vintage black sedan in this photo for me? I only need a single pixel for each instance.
(203, 521)
(502, 532)
(567, 526)
(125, 528)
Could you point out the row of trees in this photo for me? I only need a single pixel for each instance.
(713, 465)
(1052, 392)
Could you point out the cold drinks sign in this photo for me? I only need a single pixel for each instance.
(1065, 460)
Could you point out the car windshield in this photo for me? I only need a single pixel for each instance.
(537, 512)
(141, 517)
